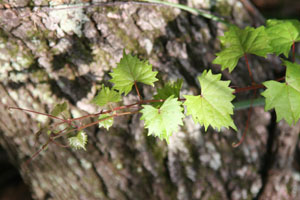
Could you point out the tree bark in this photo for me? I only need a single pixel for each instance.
(48, 56)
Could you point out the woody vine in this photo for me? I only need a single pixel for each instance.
(164, 113)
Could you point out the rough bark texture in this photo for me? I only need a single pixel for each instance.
(50, 56)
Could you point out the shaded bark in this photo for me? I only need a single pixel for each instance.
(50, 56)
(277, 181)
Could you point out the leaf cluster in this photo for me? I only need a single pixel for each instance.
(277, 37)
(164, 114)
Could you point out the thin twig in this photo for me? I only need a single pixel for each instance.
(249, 70)
(106, 118)
(38, 152)
(137, 90)
(80, 5)
(32, 111)
(247, 123)
(293, 51)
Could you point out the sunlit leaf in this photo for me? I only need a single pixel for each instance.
(213, 106)
(129, 70)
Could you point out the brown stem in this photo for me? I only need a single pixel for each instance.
(60, 145)
(253, 87)
(106, 118)
(60, 134)
(293, 51)
(137, 90)
(118, 108)
(32, 111)
(249, 70)
(247, 124)
(38, 152)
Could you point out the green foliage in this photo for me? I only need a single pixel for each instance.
(282, 35)
(285, 97)
(130, 70)
(238, 42)
(163, 121)
(106, 95)
(169, 89)
(213, 107)
(59, 108)
(79, 141)
(106, 123)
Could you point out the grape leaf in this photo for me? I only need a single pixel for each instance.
(213, 107)
(130, 70)
(79, 141)
(106, 123)
(282, 34)
(59, 108)
(169, 89)
(285, 97)
(106, 95)
(292, 74)
(163, 121)
(238, 42)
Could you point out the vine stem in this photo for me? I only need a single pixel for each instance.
(235, 145)
(58, 135)
(38, 152)
(68, 121)
(32, 111)
(79, 5)
(115, 109)
(106, 118)
(252, 87)
(137, 90)
(255, 87)
(189, 9)
(249, 70)
(293, 49)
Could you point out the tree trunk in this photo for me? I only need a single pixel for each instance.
(48, 56)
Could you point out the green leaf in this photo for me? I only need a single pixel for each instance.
(59, 108)
(106, 96)
(130, 70)
(292, 76)
(106, 123)
(238, 42)
(285, 97)
(282, 34)
(163, 121)
(79, 141)
(213, 107)
(169, 89)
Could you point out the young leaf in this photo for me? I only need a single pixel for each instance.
(106, 123)
(282, 34)
(130, 70)
(59, 108)
(169, 89)
(163, 121)
(213, 107)
(285, 97)
(79, 141)
(106, 96)
(238, 42)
